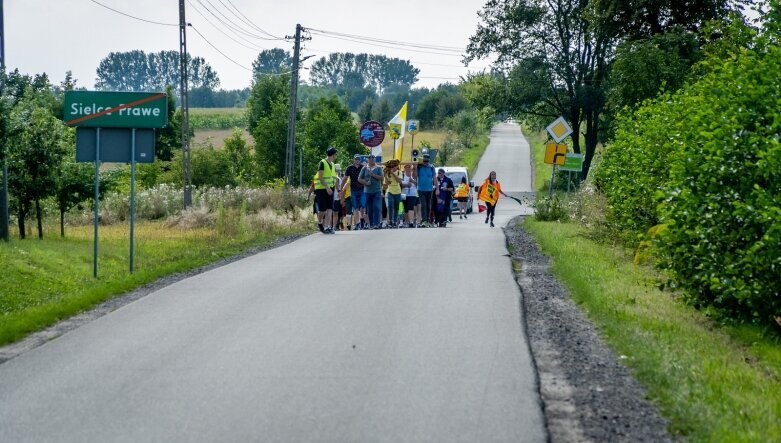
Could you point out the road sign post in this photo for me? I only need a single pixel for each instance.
(97, 204)
(555, 153)
(132, 196)
(120, 120)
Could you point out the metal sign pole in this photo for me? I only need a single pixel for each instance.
(132, 195)
(552, 179)
(97, 203)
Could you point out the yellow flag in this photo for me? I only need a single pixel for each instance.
(399, 124)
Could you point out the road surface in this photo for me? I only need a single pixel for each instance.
(393, 335)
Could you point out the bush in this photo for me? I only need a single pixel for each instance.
(636, 164)
(706, 163)
(723, 202)
(164, 201)
(549, 209)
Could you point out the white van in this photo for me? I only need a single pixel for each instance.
(456, 173)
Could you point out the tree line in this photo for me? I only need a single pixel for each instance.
(586, 60)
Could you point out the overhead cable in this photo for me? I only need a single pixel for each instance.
(386, 46)
(251, 23)
(218, 50)
(392, 42)
(248, 44)
(227, 22)
(133, 16)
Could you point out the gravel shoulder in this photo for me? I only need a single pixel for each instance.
(39, 338)
(588, 394)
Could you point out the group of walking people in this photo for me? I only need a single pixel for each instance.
(374, 196)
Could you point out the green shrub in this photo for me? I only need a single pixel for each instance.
(636, 164)
(549, 209)
(723, 202)
(706, 162)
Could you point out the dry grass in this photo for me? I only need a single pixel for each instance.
(203, 137)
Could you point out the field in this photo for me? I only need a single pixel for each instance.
(215, 137)
(214, 125)
(218, 118)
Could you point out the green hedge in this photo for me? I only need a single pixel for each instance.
(706, 162)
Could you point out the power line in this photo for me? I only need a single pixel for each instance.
(253, 46)
(217, 49)
(230, 24)
(232, 60)
(386, 46)
(133, 16)
(252, 24)
(392, 42)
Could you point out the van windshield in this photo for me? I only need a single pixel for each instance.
(456, 177)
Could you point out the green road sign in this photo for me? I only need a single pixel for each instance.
(573, 162)
(100, 109)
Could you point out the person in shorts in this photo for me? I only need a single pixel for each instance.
(325, 184)
(357, 202)
(409, 187)
(462, 196)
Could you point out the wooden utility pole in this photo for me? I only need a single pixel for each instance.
(186, 165)
(291, 120)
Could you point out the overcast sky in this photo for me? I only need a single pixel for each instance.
(55, 36)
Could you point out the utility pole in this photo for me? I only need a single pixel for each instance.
(186, 165)
(4, 184)
(291, 120)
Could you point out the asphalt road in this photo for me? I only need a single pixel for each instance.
(393, 335)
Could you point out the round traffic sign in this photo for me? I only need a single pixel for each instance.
(372, 134)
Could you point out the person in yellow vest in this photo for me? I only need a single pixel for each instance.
(489, 193)
(462, 196)
(325, 182)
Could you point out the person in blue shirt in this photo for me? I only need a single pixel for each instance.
(427, 181)
(371, 177)
(445, 190)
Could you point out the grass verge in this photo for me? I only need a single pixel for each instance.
(542, 171)
(714, 383)
(47, 280)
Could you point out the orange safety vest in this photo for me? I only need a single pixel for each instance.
(489, 192)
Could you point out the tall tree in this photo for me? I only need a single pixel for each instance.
(268, 107)
(36, 151)
(137, 71)
(169, 139)
(74, 184)
(328, 122)
(382, 111)
(560, 46)
(271, 61)
(365, 110)
(349, 71)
